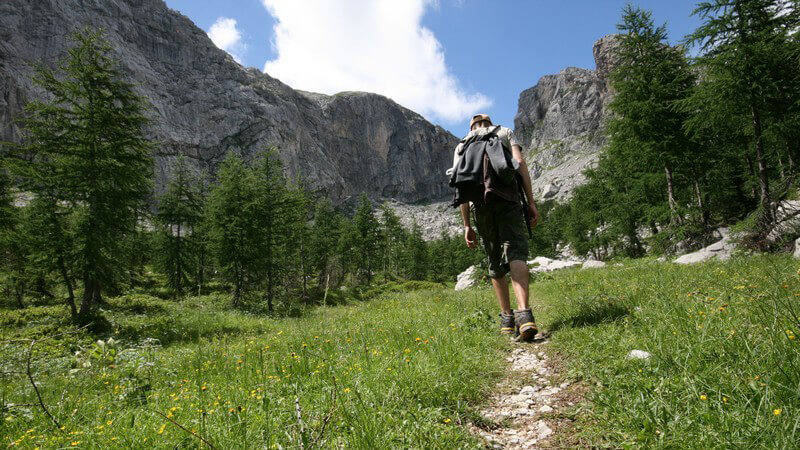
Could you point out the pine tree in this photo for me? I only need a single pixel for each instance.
(87, 149)
(234, 225)
(179, 214)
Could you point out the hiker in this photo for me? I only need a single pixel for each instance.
(490, 174)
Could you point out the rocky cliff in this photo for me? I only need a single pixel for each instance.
(560, 122)
(204, 104)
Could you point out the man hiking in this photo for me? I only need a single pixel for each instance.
(489, 172)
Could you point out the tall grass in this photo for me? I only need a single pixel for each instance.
(725, 365)
(397, 372)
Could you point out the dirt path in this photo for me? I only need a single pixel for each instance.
(526, 409)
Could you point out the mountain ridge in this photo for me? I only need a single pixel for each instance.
(204, 104)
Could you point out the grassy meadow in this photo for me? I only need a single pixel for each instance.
(725, 364)
(407, 367)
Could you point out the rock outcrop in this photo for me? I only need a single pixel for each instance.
(204, 104)
(467, 279)
(560, 122)
(721, 250)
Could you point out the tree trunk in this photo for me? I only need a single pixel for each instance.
(91, 295)
(70, 290)
(698, 194)
(178, 265)
(752, 172)
(673, 207)
(763, 181)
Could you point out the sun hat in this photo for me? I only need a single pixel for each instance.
(479, 118)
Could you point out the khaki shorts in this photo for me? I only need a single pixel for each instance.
(503, 233)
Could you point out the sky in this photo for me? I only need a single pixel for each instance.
(445, 59)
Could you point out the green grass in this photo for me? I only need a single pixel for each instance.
(400, 371)
(725, 365)
(406, 367)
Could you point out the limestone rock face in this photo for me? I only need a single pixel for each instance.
(204, 104)
(560, 123)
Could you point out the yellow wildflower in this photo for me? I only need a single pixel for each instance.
(777, 411)
(703, 397)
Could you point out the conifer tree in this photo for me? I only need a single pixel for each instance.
(89, 151)
(234, 225)
(179, 213)
(417, 251)
(367, 238)
(750, 64)
(394, 236)
(646, 134)
(324, 240)
(272, 209)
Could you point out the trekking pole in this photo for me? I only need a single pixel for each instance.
(526, 213)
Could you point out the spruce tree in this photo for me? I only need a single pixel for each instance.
(86, 148)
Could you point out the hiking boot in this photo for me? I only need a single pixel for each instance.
(506, 323)
(525, 325)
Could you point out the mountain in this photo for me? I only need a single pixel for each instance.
(205, 105)
(560, 122)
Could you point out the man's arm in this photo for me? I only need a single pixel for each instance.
(516, 152)
(469, 233)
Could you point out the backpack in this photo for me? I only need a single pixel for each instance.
(484, 166)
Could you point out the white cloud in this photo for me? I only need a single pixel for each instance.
(227, 36)
(377, 46)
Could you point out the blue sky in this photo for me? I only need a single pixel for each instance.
(446, 59)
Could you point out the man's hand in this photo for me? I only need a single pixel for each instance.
(534, 214)
(469, 237)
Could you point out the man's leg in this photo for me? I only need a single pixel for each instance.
(519, 278)
(501, 292)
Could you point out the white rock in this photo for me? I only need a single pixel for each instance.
(543, 430)
(797, 248)
(517, 398)
(721, 250)
(467, 278)
(550, 190)
(528, 390)
(593, 264)
(546, 409)
(638, 354)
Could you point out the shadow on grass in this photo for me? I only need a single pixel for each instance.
(591, 314)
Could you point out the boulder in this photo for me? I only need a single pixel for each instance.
(722, 250)
(593, 264)
(544, 264)
(467, 278)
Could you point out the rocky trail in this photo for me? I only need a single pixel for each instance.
(528, 406)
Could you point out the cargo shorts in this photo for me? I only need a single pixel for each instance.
(503, 233)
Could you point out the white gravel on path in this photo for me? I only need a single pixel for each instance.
(521, 414)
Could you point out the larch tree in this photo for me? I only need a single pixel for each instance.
(86, 148)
